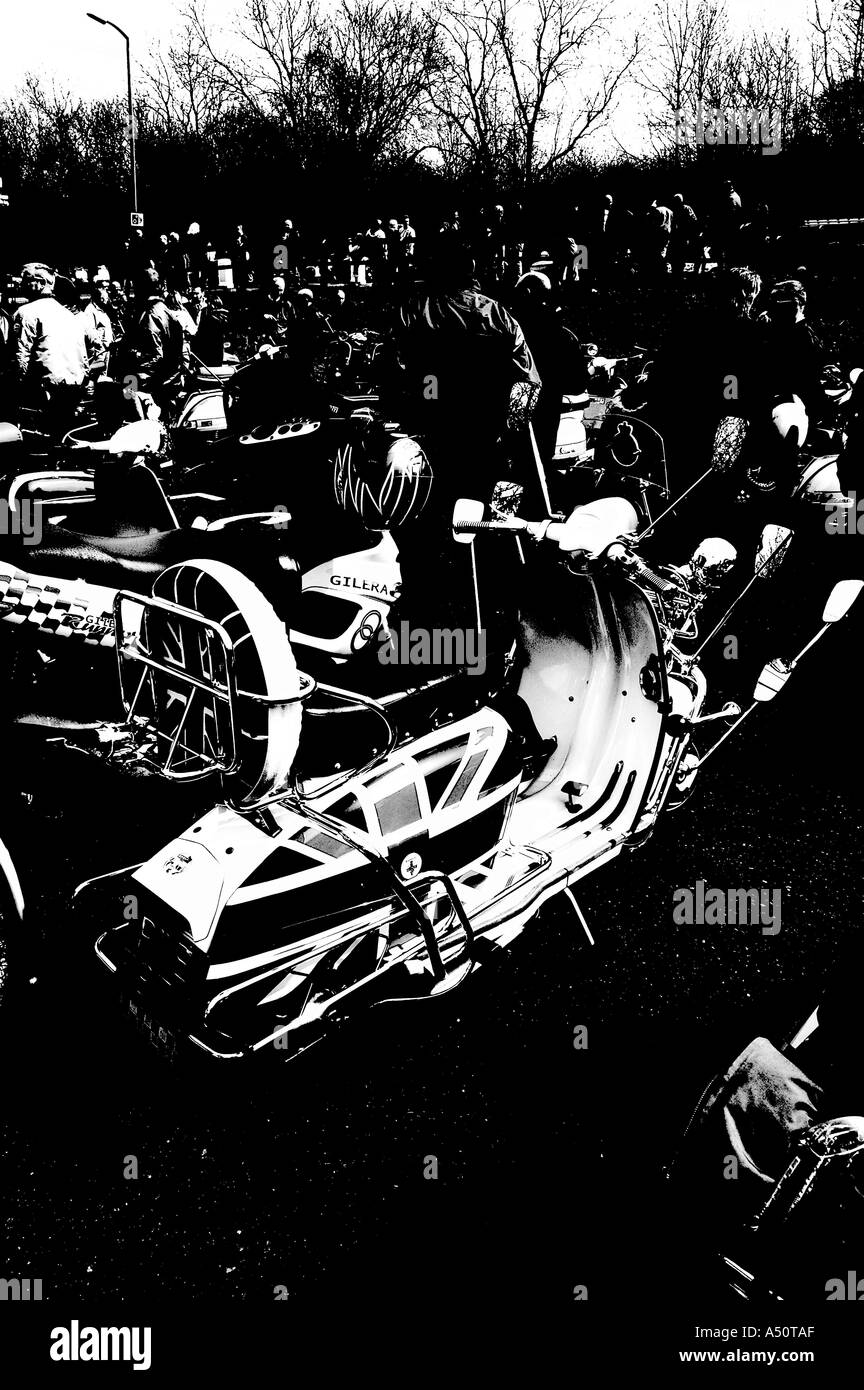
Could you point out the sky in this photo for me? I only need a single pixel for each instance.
(55, 37)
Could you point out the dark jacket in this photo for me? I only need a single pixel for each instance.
(157, 344)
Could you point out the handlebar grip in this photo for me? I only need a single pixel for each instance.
(653, 580)
(513, 524)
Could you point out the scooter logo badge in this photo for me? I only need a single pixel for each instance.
(177, 863)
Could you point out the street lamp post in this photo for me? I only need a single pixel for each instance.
(125, 36)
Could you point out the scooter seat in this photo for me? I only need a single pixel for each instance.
(123, 562)
(133, 561)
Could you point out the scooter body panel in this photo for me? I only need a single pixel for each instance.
(597, 684)
(289, 920)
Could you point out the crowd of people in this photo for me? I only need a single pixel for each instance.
(175, 302)
(484, 335)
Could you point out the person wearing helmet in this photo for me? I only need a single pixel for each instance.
(50, 351)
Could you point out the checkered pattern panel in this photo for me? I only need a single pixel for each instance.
(62, 607)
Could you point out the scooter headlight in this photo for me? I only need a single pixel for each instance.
(712, 560)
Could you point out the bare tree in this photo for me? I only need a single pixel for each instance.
(467, 94)
(267, 60)
(380, 58)
(182, 90)
(687, 49)
(355, 71)
(764, 74)
(836, 108)
(838, 42)
(523, 84)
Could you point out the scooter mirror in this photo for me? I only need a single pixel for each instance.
(772, 679)
(771, 553)
(506, 498)
(467, 512)
(728, 443)
(841, 599)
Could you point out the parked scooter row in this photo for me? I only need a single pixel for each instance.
(363, 847)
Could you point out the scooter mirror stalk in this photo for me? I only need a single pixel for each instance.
(840, 600)
(729, 711)
(776, 673)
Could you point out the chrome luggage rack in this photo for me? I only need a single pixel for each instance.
(200, 737)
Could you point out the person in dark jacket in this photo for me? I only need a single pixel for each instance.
(466, 375)
(195, 252)
(790, 396)
(684, 238)
(212, 318)
(176, 264)
(156, 345)
(465, 383)
(556, 352)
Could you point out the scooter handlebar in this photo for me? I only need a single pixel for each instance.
(463, 526)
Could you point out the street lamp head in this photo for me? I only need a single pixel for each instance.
(109, 23)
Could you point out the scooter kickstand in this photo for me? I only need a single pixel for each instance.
(579, 913)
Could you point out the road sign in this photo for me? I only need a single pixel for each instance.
(136, 219)
(4, 200)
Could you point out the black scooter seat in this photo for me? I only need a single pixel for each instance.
(122, 562)
(132, 561)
